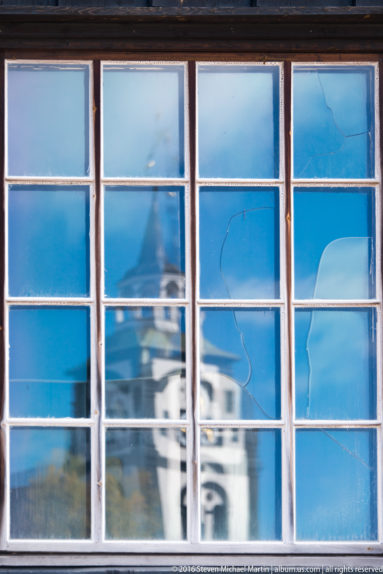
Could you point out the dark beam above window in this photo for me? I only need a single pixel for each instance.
(187, 3)
(262, 30)
(243, 27)
(195, 7)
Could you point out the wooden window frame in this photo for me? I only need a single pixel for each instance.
(363, 50)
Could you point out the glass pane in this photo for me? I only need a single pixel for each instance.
(240, 484)
(49, 362)
(143, 115)
(50, 483)
(336, 484)
(335, 363)
(334, 122)
(240, 364)
(334, 238)
(144, 242)
(48, 120)
(48, 241)
(145, 362)
(146, 484)
(239, 243)
(238, 121)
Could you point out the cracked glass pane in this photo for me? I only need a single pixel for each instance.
(146, 484)
(240, 364)
(48, 241)
(48, 120)
(239, 243)
(49, 357)
(238, 121)
(144, 242)
(143, 120)
(334, 122)
(334, 243)
(50, 483)
(336, 490)
(240, 484)
(145, 362)
(335, 364)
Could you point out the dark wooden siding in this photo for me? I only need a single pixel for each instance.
(192, 3)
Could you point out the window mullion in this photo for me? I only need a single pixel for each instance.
(3, 336)
(379, 282)
(98, 352)
(193, 438)
(288, 472)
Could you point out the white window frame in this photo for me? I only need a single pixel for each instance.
(192, 303)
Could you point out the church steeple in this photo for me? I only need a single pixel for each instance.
(153, 275)
(152, 255)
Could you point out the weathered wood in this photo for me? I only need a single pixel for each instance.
(248, 29)
(256, 33)
(183, 3)
(268, 38)
(189, 10)
(221, 56)
(75, 48)
(215, 4)
(244, 31)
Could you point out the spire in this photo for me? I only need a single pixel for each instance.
(153, 250)
(152, 263)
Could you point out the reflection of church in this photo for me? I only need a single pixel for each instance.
(145, 378)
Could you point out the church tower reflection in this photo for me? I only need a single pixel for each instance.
(146, 379)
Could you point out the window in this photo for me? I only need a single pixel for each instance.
(160, 404)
